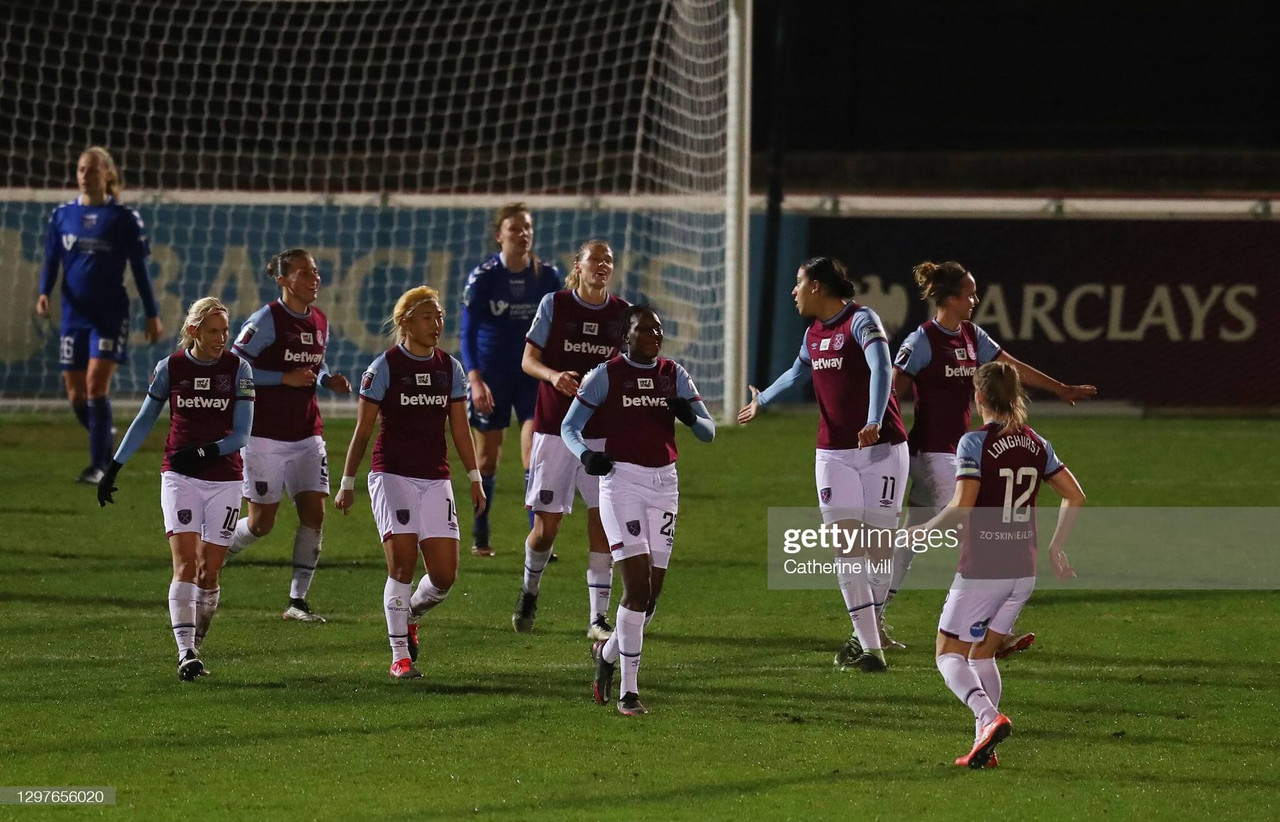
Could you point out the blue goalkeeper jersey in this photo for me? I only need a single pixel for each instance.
(497, 309)
(92, 245)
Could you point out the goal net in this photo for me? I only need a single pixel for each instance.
(379, 135)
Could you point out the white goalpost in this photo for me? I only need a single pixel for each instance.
(381, 135)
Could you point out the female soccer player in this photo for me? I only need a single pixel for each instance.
(637, 397)
(418, 389)
(861, 463)
(575, 329)
(937, 362)
(499, 301)
(998, 471)
(285, 342)
(210, 395)
(92, 238)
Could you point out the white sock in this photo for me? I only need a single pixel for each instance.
(182, 615)
(965, 684)
(242, 538)
(610, 650)
(599, 583)
(395, 603)
(856, 590)
(630, 633)
(306, 555)
(206, 607)
(535, 562)
(426, 597)
(902, 557)
(879, 577)
(989, 676)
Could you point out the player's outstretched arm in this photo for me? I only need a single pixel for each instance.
(800, 371)
(133, 439)
(366, 413)
(1070, 394)
(1067, 487)
(460, 430)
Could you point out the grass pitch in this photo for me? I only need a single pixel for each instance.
(1152, 704)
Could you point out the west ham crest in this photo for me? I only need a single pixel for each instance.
(824, 494)
(545, 497)
(633, 527)
(261, 488)
(184, 516)
(222, 383)
(402, 516)
(837, 342)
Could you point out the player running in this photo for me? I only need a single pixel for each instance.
(936, 363)
(285, 342)
(861, 463)
(575, 329)
(418, 389)
(998, 471)
(92, 238)
(210, 395)
(500, 299)
(637, 396)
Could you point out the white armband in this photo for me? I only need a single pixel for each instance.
(347, 484)
(474, 475)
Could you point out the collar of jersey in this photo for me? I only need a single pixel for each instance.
(946, 330)
(414, 356)
(839, 316)
(653, 364)
(187, 352)
(293, 313)
(586, 304)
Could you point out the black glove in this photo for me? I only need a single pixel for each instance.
(106, 485)
(596, 463)
(683, 409)
(191, 459)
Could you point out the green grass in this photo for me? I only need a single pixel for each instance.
(1154, 704)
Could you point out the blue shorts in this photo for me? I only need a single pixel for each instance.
(77, 346)
(520, 393)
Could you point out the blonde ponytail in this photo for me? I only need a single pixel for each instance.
(1001, 390)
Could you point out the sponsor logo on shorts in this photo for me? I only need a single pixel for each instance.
(824, 495)
(545, 497)
(261, 488)
(224, 533)
(202, 383)
(106, 344)
(222, 383)
(977, 629)
(633, 527)
(184, 516)
(402, 516)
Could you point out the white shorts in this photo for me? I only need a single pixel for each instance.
(408, 505)
(638, 508)
(933, 480)
(272, 466)
(555, 473)
(866, 484)
(975, 605)
(192, 505)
